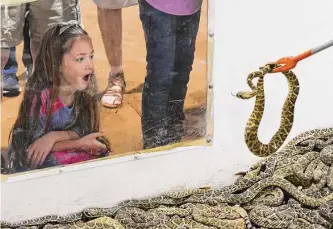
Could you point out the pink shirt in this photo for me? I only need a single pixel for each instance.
(176, 7)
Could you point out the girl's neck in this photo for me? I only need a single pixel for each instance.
(67, 97)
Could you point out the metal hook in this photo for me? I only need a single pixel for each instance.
(291, 61)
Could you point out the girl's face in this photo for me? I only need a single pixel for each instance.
(77, 66)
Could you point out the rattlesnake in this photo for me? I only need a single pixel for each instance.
(69, 218)
(268, 191)
(138, 218)
(102, 222)
(284, 216)
(287, 117)
(255, 189)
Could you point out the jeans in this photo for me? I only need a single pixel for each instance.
(11, 65)
(170, 44)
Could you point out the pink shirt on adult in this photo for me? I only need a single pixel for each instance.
(176, 7)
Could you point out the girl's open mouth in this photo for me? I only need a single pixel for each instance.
(86, 77)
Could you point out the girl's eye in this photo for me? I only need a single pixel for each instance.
(92, 56)
(80, 59)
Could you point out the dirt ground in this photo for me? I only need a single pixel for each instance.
(122, 126)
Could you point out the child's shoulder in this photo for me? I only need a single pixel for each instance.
(45, 98)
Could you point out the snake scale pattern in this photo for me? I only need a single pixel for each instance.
(291, 187)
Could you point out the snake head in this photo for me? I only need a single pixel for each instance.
(241, 173)
(268, 68)
(205, 188)
(212, 202)
(90, 212)
(96, 212)
(244, 94)
(238, 95)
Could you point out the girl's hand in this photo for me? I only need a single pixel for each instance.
(90, 144)
(39, 149)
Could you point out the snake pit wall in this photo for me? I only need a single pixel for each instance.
(291, 188)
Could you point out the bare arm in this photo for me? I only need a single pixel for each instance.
(65, 140)
(41, 147)
(66, 145)
(87, 143)
(59, 136)
(38, 151)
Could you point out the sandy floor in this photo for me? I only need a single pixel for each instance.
(122, 125)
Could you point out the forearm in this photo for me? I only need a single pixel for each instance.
(66, 145)
(60, 136)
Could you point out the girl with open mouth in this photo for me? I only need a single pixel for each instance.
(58, 121)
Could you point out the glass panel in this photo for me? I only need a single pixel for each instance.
(139, 76)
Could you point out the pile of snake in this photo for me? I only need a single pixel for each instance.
(290, 187)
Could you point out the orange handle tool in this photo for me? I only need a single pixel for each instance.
(291, 61)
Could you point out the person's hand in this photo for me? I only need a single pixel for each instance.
(39, 149)
(90, 144)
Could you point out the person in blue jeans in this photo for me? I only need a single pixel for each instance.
(39, 16)
(170, 30)
(11, 86)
